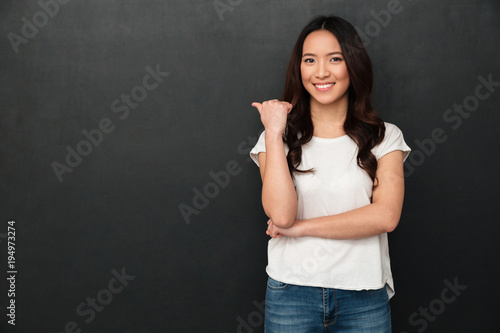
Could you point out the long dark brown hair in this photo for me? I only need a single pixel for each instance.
(361, 123)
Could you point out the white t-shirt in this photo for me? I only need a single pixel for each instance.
(337, 185)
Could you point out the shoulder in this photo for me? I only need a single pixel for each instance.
(393, 140)
(392, 133)
(390, 129)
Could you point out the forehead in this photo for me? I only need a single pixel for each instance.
(321, 42)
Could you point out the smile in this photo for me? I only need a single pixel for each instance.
(323, 86)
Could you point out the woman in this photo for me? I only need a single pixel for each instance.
(333, 187)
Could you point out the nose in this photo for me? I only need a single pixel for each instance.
(322, 70)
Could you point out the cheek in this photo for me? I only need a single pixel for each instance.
(303, 74)
(304, 77)
(307, 75)
(342, 74)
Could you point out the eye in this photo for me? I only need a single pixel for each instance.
(336, 59)
(309, 60)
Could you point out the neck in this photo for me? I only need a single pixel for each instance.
(328, 120)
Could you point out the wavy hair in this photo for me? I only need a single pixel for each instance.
(361, 123)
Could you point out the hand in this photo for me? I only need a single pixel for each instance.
(276, 232)
(272, 230)
(273, 115)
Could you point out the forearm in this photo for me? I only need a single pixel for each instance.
(279, 198)
(381, 216)
(370, 220)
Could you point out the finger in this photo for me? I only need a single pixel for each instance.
(257, 105)
(273, 232)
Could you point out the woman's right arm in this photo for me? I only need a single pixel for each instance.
(279, 198)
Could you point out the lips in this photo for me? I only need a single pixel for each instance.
(324, 86)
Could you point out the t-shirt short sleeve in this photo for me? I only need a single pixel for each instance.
(393, 140)
(260, 147)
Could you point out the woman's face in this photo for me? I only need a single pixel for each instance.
(323, 69)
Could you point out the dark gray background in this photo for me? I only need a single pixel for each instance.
(120, 207)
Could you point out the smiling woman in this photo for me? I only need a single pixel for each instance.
(332, 175)
(324, 71)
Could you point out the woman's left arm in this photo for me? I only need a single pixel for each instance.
(381, 216)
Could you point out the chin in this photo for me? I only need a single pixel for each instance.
(325, 101)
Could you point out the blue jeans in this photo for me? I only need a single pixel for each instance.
(292, 308)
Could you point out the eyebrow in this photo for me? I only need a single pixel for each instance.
(313, 55)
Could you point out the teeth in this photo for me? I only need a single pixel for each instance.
(323, 86)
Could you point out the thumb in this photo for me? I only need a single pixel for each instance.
(257, 105)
